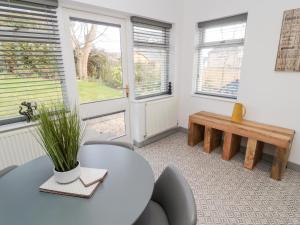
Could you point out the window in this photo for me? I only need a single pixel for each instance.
(219, 56)
(31, 67)
(151, 57)
(98, 59)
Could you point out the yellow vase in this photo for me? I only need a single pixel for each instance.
(238, 113)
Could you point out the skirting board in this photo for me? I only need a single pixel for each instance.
(265, 157)
(156, 137)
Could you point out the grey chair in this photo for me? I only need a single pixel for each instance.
(117, 143)
(7, 170)
(172, 201)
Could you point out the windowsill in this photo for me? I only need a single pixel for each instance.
(16, 126)
(152, 98)
(215, 98)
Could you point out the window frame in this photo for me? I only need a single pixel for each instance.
(167, 34)
(12, 120)
(202, 26)
(115, 22)
(42, 5)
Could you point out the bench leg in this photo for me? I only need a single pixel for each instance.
(253, 153)
(231, 145)
(212, 139)
(279, 163)
(196, 134)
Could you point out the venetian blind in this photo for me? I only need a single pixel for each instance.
(219, 56)
(31, 67)
(151, 57)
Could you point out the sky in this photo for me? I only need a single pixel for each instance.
(109, 41)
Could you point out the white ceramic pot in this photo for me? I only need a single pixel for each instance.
(68, 176)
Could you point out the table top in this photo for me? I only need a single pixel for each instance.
(119, 200)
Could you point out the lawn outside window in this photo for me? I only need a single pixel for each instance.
(98, 59)
(31, 67)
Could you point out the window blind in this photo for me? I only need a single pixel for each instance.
(151, 57)
(31, 67)
(219, 56)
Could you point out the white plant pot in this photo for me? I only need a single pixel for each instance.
(68, 176)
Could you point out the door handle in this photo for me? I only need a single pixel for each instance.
(126, 88)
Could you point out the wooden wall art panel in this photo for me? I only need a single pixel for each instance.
(288, 56)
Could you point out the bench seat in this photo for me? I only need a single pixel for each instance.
(210, 127)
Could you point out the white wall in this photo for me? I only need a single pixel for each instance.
(269, 96)
(165, 10)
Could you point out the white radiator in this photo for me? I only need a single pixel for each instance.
(160, 116)
(18, 147)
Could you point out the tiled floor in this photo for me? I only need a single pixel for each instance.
(225, 192)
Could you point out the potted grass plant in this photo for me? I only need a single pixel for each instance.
(60, 134)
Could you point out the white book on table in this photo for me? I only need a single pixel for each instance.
(83, 187)
(89, 176)
(75, 188)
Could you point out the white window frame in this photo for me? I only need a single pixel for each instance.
(100, 107)
(170, 64)
(21, 119)
(199, 44)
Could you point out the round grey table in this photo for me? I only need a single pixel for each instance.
(119, 200)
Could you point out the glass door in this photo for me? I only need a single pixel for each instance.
(97, 46)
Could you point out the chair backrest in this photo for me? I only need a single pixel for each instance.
(7, 170)
(174, 194)
(117, 143)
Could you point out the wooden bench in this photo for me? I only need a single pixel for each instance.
(210, 128)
